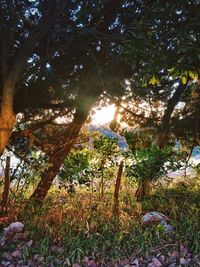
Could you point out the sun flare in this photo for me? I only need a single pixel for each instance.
(104, 115)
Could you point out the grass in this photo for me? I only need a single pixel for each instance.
(84, 225)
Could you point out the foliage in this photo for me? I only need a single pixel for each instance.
(75, 170)
(157, 38)
(89, 165)
(151, 163)
(107, 148)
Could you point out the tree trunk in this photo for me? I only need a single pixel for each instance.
(143, 190)
(7, 117)
(163, 137)
(58, 156)
(117, 188)
(6, 190)
(164, 132)
(101, 191)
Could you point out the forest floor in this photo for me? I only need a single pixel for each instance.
(81, 230)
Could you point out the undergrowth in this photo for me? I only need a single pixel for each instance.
(83, 224)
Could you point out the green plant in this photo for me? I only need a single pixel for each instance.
(147, 165)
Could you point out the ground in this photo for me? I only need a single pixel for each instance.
(80, 230)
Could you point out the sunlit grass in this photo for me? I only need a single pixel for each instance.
(83, 224)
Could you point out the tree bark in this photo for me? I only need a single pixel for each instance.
(117, 188)
(58, 156)
(143, 190)
(7, 116)
(163, 134)
(11, 77)
(6, 190)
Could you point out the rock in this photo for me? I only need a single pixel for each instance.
(38, 259)
(155, 263)
(16, 254)
(92, 263)
(174, 255)
(153, 217)
(2, 241)
(29, 243)
(7, 256)
(162, 258)
(5, 263)
(67, 262)
(184, 249)
(123, 262)
(135, 263)
(169, 229)
(184, 262)
(15, 227)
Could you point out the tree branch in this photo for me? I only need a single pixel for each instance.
(165, 122)
(53, 10)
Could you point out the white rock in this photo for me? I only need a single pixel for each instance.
(153, 217)
(15, 227)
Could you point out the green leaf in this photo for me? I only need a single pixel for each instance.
(184, 79)
(154, 80)
(193, 75)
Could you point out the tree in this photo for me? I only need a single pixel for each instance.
(57, 48)
(45, 45)
(163, 53)
(107, 152)
(26, 34)
(148, 164)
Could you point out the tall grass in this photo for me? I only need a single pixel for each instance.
(84, 224)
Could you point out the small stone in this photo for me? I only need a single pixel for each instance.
(7, 256)
(183, 262)
(135, 263)
(162, 258)
(16, 254)
(2, 241)
(92, 263)
(155, 263)
(39, 259)
(184, 250)
(67, 262)
(29, 243)
(5, 263)
(174, 255)
(15, 227)
(153, 217)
